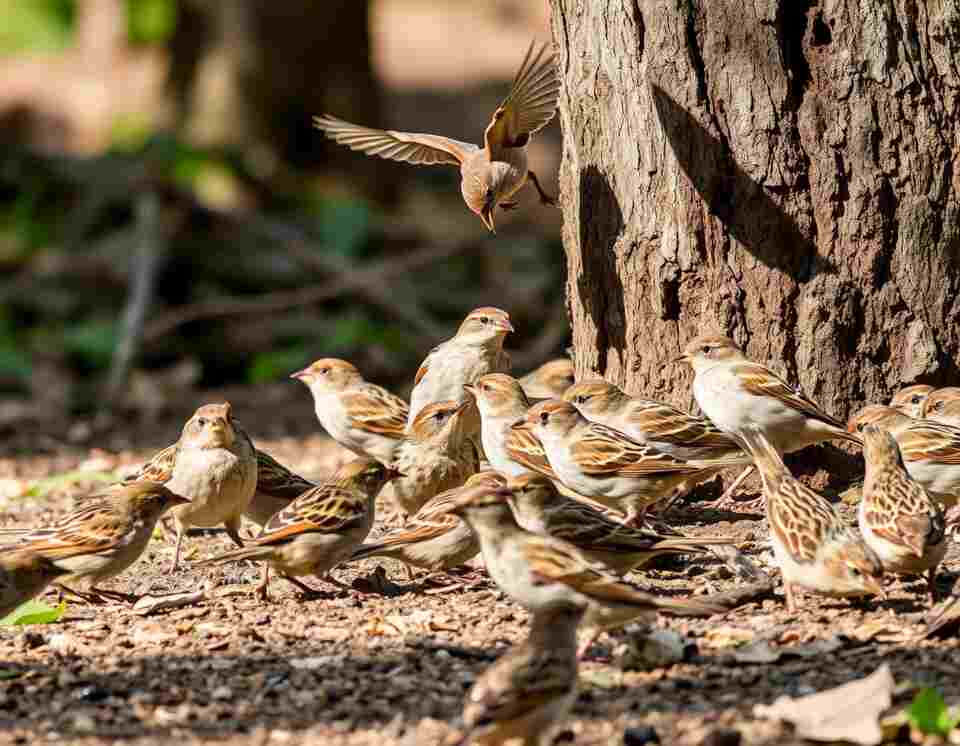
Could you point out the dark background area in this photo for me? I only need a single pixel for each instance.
(172, 228)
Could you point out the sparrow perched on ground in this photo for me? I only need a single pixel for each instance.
(542, 572)
(362, 417)
(318, 530)
(550, 380)
(527, 694)
(216, 469)
(102, 538)
(899, 520)
(491, 175)
(538, 507)
(812, 544)
(276, 484)
(937, 398)
(436, 455)
(735, 393)
(501, 402)
(606, 465)
(930, 450)
(477, 349)
(433, 539)
(910, 400)
(24, 575)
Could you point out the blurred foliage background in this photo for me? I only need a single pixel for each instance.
(172, 229)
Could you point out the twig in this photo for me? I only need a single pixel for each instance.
(145, 264)
(380, 273)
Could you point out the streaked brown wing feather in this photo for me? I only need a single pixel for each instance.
(410, 147)
(662, 422)
(376, 410)
(529, 106)
(159, 468)
(326, 509)
(603, 451)
(760, 381)
(930, 441)
(526, 449)
(793, 512)
(273, 478)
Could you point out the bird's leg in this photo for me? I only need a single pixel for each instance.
(333, 581)
(113, 595)
(232, 527)
(261, 590)
(301, 585)
(181, 530)
(791, 596)
(726, 501)
(545, 199)
(65, 590)
(932, 585)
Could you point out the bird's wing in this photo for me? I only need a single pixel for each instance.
(159, 468)
(273, 478)
(410, 147)
(801, 519)
(526, 449)
(760, 381)
(603, 451)
(96, 527)
(329, 508)
(376, 410)
(528, 107)
(926, 440)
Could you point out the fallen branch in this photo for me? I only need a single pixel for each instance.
(152, 604)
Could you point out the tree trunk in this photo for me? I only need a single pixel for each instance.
(780, 171)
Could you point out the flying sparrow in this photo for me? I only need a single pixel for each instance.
(606, 465)
(437, 455)
(527, 694)
(216, 468)
(930, 450)
(433, 539)
(319, 529)
(539, 508)
(937, 399)
(361, 416)
(477, 349)
(910, 399)
(542, 572)
(735, 393)
(102, 538)
(24, 575)
(812, 544)
(899, 520)
(491, 175)
(550, 380)
(276, 484)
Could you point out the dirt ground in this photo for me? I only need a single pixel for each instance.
(363, 668)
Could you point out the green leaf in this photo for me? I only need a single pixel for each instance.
(151, 21)
(928, 713)
(35, 612)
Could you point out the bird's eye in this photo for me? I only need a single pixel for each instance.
(201, 421)
(582, 399)
(915, 400)
(440, 416)
(544, 418)
(705, 349)
(484, 320)
(324, 371)
(855, 572)
(938, 406)
(860, 427)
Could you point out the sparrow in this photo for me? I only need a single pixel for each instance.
(937, 399)
(899, 520)
(433, 538)
(527, 694)
(930, 450)
(490, 175)
(813, 546)
(910, 400)
(24, 575)
(437, 455)
(216, 468)
(477, 349)
(361, 416)
(542, 572)
(550, 380)
(735, 393)
(606, 465)
(276, 484)
(319, 529)
(540, 508)
(501, 402)
(100, 539)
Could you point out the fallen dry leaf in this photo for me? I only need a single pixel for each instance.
(850, 712)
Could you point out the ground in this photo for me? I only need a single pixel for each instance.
(352, 668)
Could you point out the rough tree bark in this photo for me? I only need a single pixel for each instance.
(781, 171)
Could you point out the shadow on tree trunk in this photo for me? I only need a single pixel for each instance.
(749, 214)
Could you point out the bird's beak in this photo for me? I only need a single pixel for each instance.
(522, 425)
(684, 358)
(486, 215)
(505, 325)
(299, 374)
